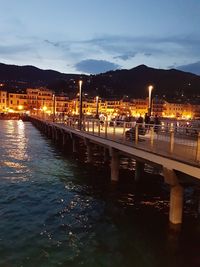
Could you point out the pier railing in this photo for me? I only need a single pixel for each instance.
(181, 143)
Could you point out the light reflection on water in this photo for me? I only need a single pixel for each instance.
(56, 212)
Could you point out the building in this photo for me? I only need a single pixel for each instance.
(40, 101)
(178, 110)
(3, 101)
(139, 107)
(17, 103)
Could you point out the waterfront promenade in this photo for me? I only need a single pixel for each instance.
(174, 151)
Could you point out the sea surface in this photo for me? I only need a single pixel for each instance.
(58, 211)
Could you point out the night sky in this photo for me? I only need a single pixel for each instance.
(93, 36)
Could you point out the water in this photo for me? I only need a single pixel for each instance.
(55, 211)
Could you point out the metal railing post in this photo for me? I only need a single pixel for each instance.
(106, 128)
(114, 124)
(124, 131)
(198, 148)
(136, 134)
(93, 126)
(99, 129)
(151, 135)
(88, 126)
(171, 140)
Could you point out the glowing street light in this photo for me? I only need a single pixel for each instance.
(54, 107)
(97, 106)
(80, 104)
(150, 88)
(20, 107)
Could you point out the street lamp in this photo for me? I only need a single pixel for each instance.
(80, 104)
(97, 106)
(150, 88)
(54, 107)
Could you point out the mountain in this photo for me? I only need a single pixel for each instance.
(30, 74)
(22, 77)
(134, 82)
(193, 68)
(172, 84)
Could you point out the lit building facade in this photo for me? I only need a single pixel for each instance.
(17, 103)
(3, 101)
(43, 101)
(40, 100)
(178, 110)
(139, 107)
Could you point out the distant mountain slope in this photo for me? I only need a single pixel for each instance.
(29, 73)
(172, 83)
(135, 81)
(193, 68)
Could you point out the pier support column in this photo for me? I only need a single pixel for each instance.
(74, 145)
(115, 162)
(49, 131)
(52, 133)
(106, 156)
(89, 150)
(57, 135)
(176, 196)
(64, 138)
(139, 170)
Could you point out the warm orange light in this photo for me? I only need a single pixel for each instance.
(20, 107)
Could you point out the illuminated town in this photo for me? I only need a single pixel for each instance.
(42, 101)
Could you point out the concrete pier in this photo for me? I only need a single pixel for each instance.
(115, 162)
(74, 145)
(89, 151)
(139, 170)
(111, 149)
(176, 196)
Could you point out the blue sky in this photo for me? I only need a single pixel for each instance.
(93, 36)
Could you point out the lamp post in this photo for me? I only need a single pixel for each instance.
(54, 107)
(97, 106)
(80, 104)
(150, 88)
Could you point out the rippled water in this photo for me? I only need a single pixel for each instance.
(55, 211)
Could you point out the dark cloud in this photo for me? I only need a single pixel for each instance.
(193, 68)
(148, 54)
(147, 45)
(93, 66)
(126, 56)
(56, 44)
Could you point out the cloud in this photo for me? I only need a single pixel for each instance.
(14, 49)
(146, 45)
(125, 56)
(193, 68)
(93, 66)
(148, 54)
(56, 44)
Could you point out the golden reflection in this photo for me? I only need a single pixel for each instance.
(13, 165)
(22, 142)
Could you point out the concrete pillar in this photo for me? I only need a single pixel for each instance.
(49, 131)
(64, 138)
(89, 151)
(53, 133)
(176, 196)
(74, 145)
(106, 156)
(56, 134)
(139, 170)
(115, 162)
(176, 204)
